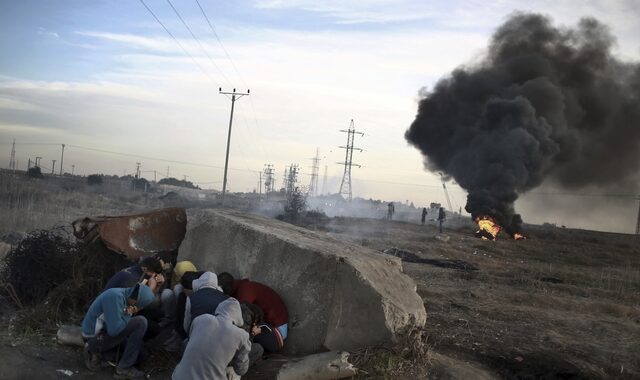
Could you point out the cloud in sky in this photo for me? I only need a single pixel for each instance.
(119, 82)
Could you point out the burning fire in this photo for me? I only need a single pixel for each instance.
(489, 229)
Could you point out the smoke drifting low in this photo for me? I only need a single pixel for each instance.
(545, 102)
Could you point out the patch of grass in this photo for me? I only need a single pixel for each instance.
(409, 358)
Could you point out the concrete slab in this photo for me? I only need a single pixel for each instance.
(339, 296)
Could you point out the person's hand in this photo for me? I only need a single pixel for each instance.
(159, 278)
(255, 330)
(131, 310)
(152, 283)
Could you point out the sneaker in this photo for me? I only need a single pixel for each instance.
(92, 361)
(129, 373)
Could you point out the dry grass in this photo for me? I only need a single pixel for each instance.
(27, 204)
(410, 357)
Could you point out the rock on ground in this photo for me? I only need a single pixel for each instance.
(340, 296)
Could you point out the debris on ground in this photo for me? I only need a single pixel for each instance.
(411, 257)
(138, 235)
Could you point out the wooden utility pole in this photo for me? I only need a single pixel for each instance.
(62, 159)
(638, 222)
(234, 96)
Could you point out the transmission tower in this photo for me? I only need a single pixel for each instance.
(269, 178)
(285, 180)
(324, 180)
(292, 178)
(313, 185)
(12, 161)
(446, 193)
(345, 185)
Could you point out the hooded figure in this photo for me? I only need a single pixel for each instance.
(108, 311)
(109, 323)
(204, 360)
(206, 297)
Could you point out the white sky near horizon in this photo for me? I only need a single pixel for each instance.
(105, 75)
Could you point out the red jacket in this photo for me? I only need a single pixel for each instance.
(275, 311)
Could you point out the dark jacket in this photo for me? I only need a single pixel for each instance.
(205, 298)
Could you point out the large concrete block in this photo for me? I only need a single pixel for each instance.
(340, 296)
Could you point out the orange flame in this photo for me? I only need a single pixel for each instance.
(489, 228)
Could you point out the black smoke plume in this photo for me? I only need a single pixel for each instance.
(545, 102)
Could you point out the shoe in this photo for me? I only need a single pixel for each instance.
(129, 373)
(92, 361)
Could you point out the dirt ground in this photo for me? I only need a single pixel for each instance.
(563, 304)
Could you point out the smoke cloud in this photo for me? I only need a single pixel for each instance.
(545, 102)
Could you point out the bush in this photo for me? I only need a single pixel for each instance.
(35, 172)
(94, 179)
(296, 204)
(50, 270)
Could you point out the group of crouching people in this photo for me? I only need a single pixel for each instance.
(220, 325)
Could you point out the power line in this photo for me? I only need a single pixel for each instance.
(176, 40)
(235, 68)
(198, 41)
(156, 158)
(213, 30)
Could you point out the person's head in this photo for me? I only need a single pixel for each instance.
(183, 267)
(225, 282)
(248, 317)
(151, 265)
(187, 280)
(141, 296)
(166, 260)
(256, 311)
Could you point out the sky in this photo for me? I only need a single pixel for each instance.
(107, 80)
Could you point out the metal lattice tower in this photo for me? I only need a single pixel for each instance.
(292, 178)
(324, 180)
(269, 178)
(345, 185)
(12, 161)
(315, 167)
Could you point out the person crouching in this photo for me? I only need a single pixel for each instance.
(109, 322)
(216, 342)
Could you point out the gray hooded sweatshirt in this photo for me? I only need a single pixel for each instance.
(216, 342)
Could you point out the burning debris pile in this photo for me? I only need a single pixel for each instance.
(545, 103)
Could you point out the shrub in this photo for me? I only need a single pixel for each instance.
(35, 172)
(94, 179)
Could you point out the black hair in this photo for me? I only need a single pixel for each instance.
(247, 317)
(166, 257)
(152, 264)
(258, 314)
(225, 281)
(187, 279)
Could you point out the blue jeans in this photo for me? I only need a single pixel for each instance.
(131, 336)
